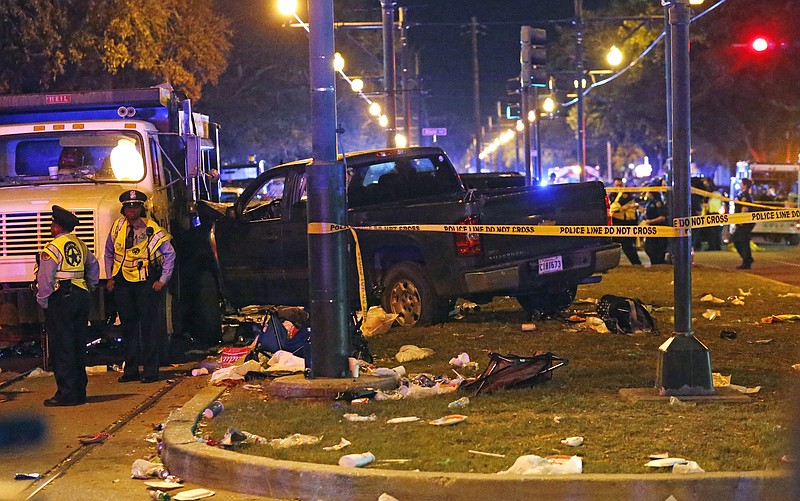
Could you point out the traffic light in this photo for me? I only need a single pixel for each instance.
(533, 56)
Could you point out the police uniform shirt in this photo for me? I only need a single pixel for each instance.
(166, 250)
(46, 275)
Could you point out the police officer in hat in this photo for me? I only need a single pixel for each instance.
(139, 261)
(65, 274)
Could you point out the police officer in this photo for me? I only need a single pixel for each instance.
(66, 272)
(624, 213)
(742, 232)
(139, 261)
(655, 214)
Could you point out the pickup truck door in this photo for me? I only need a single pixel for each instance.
(294, 237)
(249, 245)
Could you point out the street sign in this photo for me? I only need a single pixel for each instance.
(434, 131)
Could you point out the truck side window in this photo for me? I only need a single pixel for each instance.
(266, 200)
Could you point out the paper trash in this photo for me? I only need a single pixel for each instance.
(537, 465)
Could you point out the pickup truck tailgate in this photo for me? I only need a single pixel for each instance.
(558, 204)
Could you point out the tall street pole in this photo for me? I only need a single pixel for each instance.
(327, 262)
(389, 78)
(405, 80)
(579, 73)
(476, 94)
(684, 363)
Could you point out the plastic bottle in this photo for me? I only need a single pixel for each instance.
(202, 371)
(213, 409)
(457, 404)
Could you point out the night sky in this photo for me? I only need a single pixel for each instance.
(442, 39)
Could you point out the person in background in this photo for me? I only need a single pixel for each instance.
(742, 232)
(624, 212)
(139, 261)
(713, 206)
(65, 274)
(655, 214)
(698, 209)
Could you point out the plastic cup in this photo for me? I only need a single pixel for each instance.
(53, 171)
(353, 365)
(356, 460)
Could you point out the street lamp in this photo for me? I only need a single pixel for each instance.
(375, 109)
(287, 7)
(338, 63)
(614, 56)
(357, 85)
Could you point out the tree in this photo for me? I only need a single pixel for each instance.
(73, 44)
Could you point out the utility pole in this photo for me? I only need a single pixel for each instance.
(405, 86)
(327, 263)
(476, 93)
(389, 78)
(684, 363)
(579, 73)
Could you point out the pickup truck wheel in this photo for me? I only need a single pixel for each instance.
(409, 293)
(793, 240)
(549, 301)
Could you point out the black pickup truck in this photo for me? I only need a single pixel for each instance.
(261, 243)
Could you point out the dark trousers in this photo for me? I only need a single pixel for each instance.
(628, 243)
(66, 319)
(656, 249)
(741, 240)
(139, 309)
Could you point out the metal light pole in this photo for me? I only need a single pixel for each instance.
(579, 72)
(327, 262)
(684, 363)
(389, 85)
(476, 94)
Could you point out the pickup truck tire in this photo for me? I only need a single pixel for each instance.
(547, 302)
(408, 292)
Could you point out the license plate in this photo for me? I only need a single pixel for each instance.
(550, 265)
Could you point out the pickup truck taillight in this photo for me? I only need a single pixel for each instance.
(609, 221)
(468, 244)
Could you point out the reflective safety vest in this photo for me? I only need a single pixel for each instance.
(135, 261)
(69, 253)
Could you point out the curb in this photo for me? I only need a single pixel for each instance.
(223, 469)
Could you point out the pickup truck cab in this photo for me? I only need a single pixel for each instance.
(262, 252)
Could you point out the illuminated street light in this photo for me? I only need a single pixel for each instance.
(287, 7)
(520, 126)
(357, 85)
(375, 109)
(548, 105)
(614, 57)
(338, 62)
(532, 116)
(400, 140)
(383, 121)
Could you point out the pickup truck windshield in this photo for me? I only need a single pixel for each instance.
(401, 179)
(63, 157)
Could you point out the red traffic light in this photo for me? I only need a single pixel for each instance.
(760, 44)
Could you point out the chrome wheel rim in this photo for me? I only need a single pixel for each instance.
(405, 301)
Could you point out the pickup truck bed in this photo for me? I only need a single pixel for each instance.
(261, 245)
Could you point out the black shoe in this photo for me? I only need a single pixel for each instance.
(57, 402)
(149, 379)
(127, 378)
(743, 266)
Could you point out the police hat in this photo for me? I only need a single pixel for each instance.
(64, 218)
(133, 197)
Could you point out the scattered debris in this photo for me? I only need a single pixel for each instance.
(286, 361)
(790, 294)
(728, 334)
(357, 417)
(710, 298)
(202, 371)
(407, 419)
(683, 403)
(528, 327)
(689, 467)
(761, 341)
(94, 439)
(294, 441)
(659, 455)
(409, 352)
(232, 355)
(537, 465)
(387, 497)
(449, 420)
(356, 460)
(27, 476)
(460, 360)
(234, 373)
(665, 462)
(163, 484)
(193, 494)
(573, 441)
(144, 469)
(341, 445)
(796, 367)
(490, 454)
(96, 369)
(39, 372)
(743, 293)
(377, 322)
(458, 404)
(711, 314)
(736, 301)
(213, 409)
(776, 319)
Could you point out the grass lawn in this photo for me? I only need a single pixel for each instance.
(582, 399)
